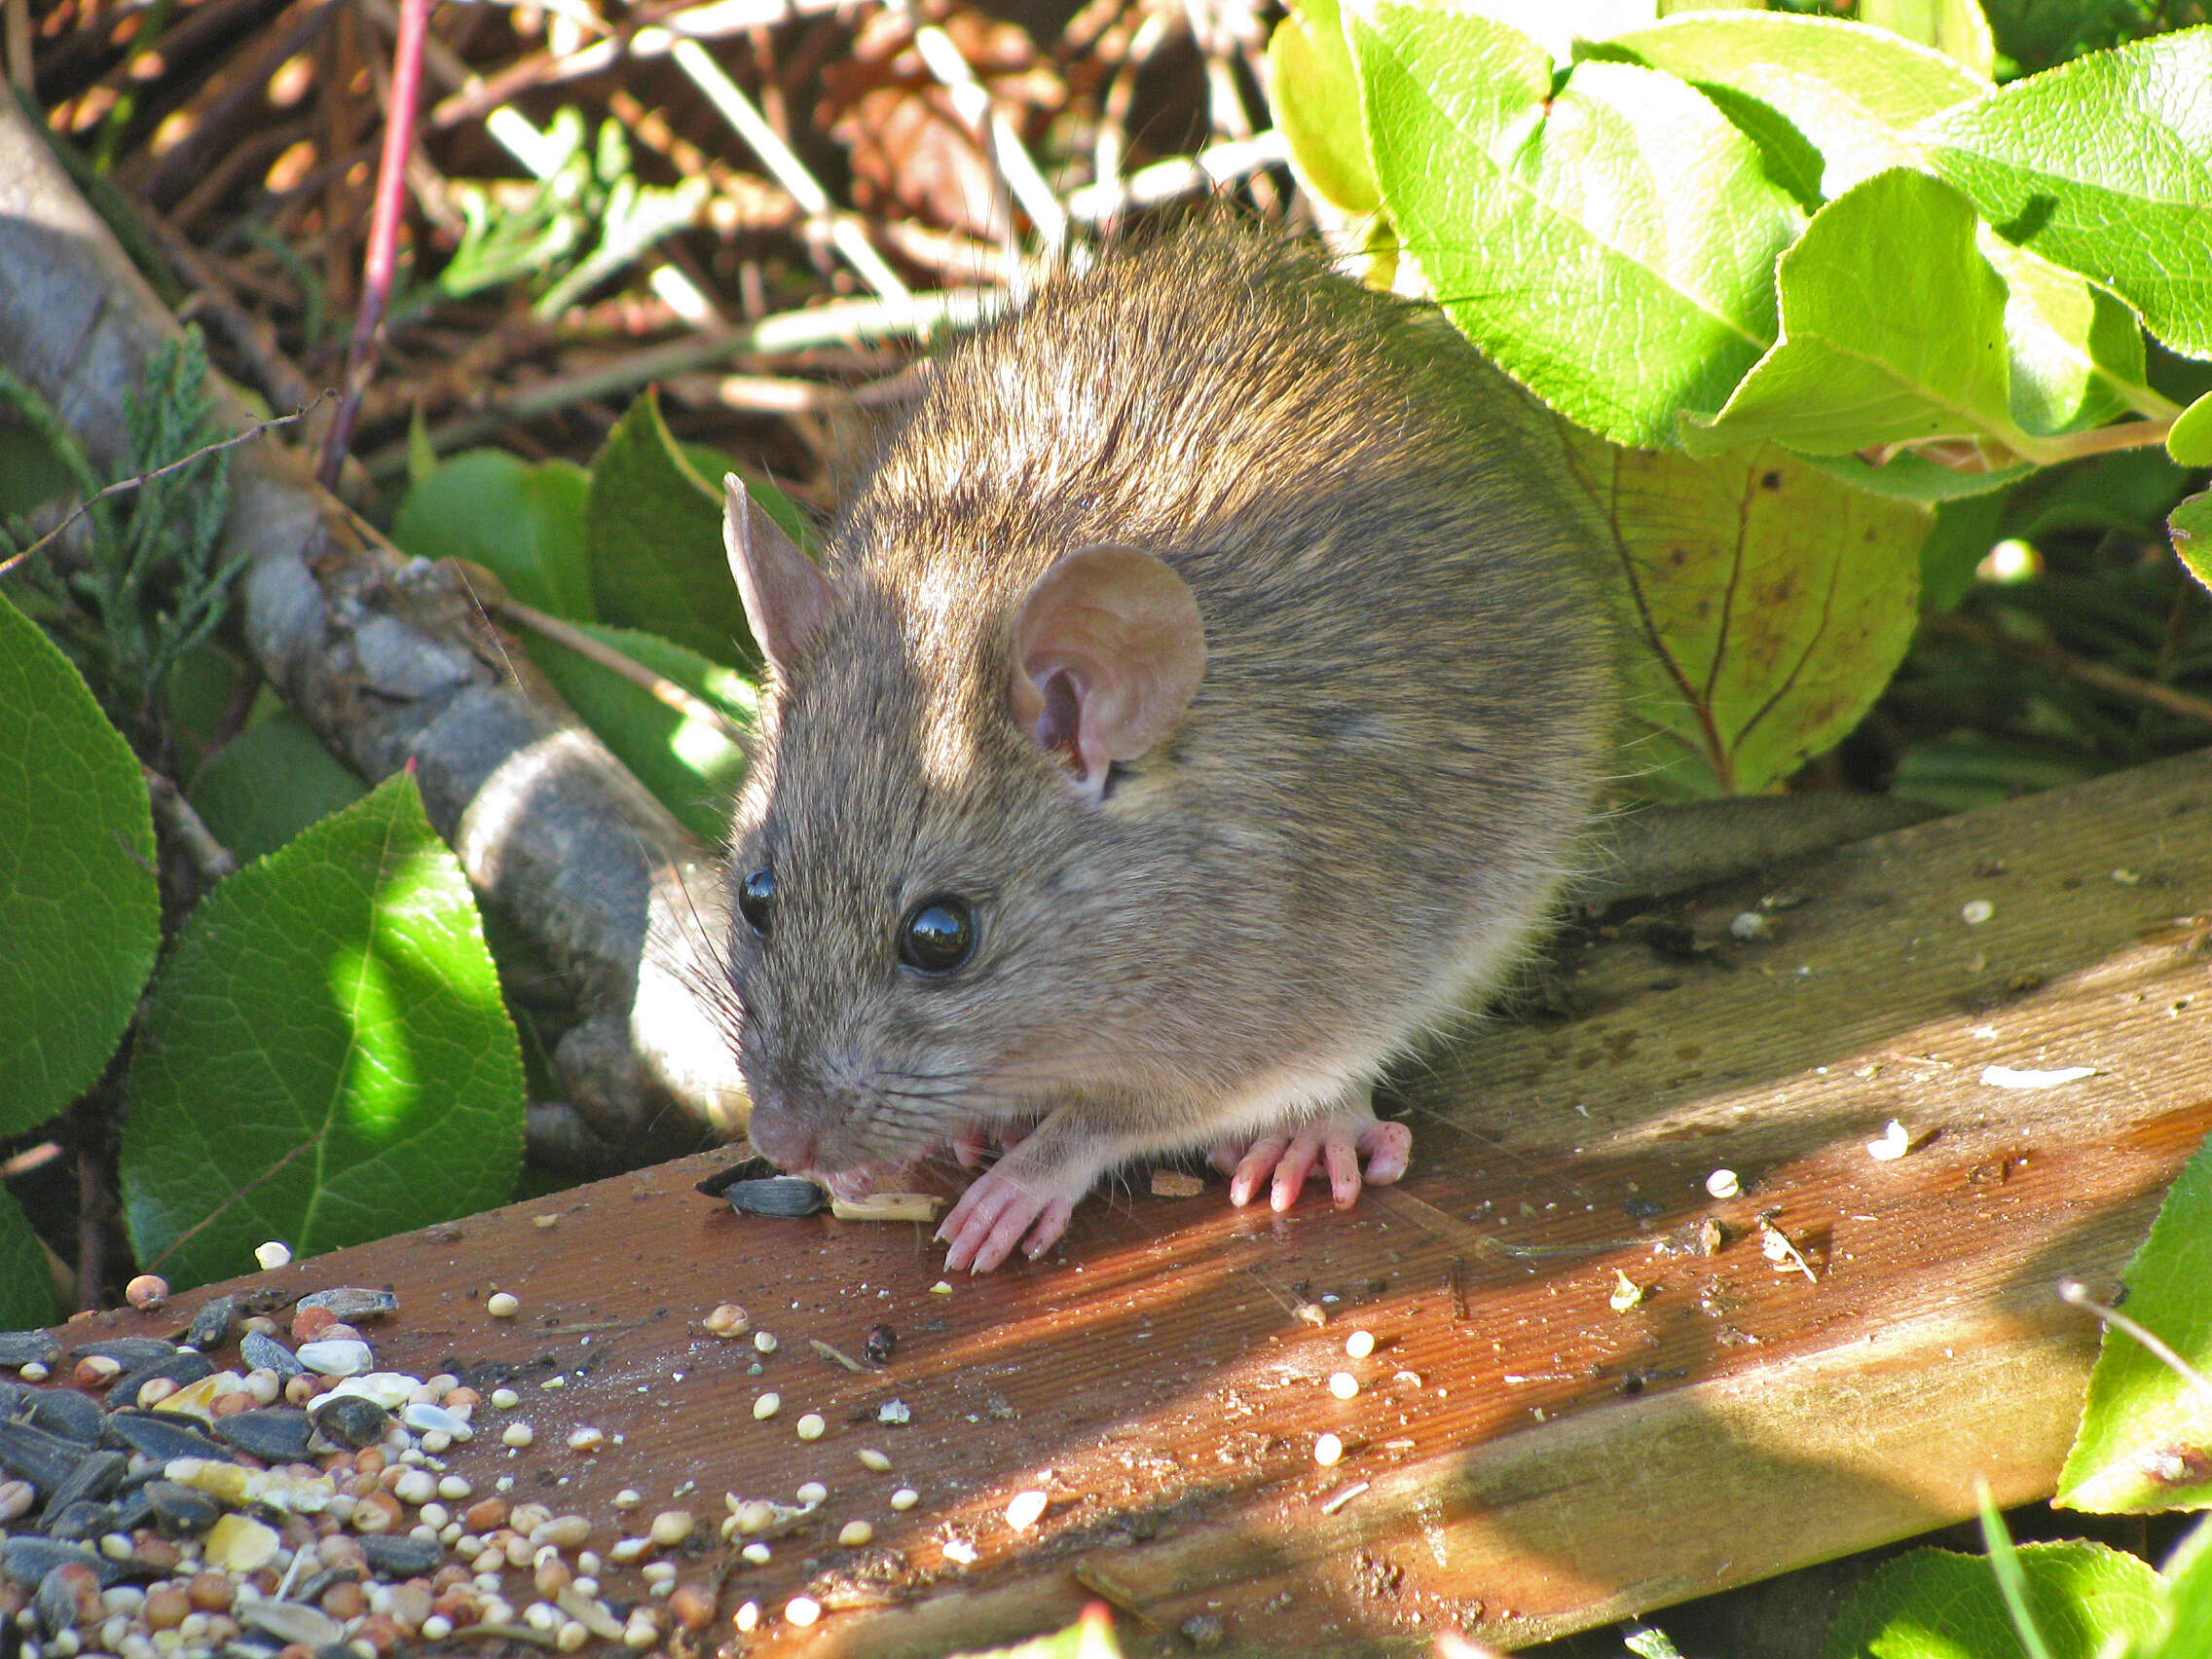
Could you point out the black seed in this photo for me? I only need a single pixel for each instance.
(94, 1479)
(57, 1602)
(66, 1412)
(400, 1554)
(777, 1195)
(182, 1511)
(351, 1420)
(353, 1306)
(878, 1345)
(264, 1353)
(31, 1454)
(276, 1434)
(164, 1437)
(129, 1352)
(27, 1561)
(19, 1348)
(211, 1325)
(712, 1185)
(82, 1523)
(182, 1367)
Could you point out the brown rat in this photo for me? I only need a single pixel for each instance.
(1197, 704)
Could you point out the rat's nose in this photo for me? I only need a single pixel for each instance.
(780, 1138)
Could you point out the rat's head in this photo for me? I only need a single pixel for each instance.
(940, 851)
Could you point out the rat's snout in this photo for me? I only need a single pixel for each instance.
(778, 1135)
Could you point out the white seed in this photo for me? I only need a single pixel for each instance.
(757, 1552)
(571, 1636)
(1896, 1142)
(657, 1571)
(871, 1458)
(629, 1497)
(503, 1305)
(518, 1435)
(628, 1550)
(728, 1320)
(942, 1287)
(1359, 1344)
(1026, 1510)
(585, 1438)
(755, 1516)
(506, 1399)
(767, 1407)
(802, 1609)
(962, 1551)
(1328, 1451)
(453, 1489)
(811, 1426)
(1723, 1183)
(764, 1342)
(812, 1492)
(748, 1616)
(273, 1255)
(1975, 911)
(671, 1526)
(906, 1497)
(1344, 1384)
(436, 1628)
(855, 1533)
(416, 1487)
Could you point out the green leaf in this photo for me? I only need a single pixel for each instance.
(1956, 28)
(1848, 93)
(79, 910)
(1937, 1604)
(1612, 246)
(525, 523)
(2103, 166)
(2189, 527)
(691, 764)
(2071, 345)
(270, 783)
(1909, 477)
(2189, 442)
(1963, 533)
(2140, 1446)
(2189, 1583)
(654, 523)
(1893, 331)
(26, 1286)
(1315, 98)
(325, 1056)
(1768, 606)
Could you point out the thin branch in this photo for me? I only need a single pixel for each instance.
(210, 860)
(2065, 662)
(972, 103)
(1180, 175)
(568, 634)
(122, 484)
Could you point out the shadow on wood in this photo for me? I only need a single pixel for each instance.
(1522, 1457)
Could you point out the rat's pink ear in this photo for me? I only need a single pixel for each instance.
(786, 598)
(1108, 651)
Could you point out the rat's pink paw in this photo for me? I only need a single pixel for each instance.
(1340, 1144)
(992, 1217)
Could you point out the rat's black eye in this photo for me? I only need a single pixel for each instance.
(757, 899)
(938, 934)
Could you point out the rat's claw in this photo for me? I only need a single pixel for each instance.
(1340, 1145)
(1253, 1169)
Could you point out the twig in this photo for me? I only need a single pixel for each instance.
(791, 331)
(2076, 1294)
(972, 103)
(210, 860)
(788, 171)
(1179, 175)
(568, 634)
(2061, 662)
(379, 263)
(1112, 141)
(122, 484)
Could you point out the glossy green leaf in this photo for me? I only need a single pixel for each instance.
(1937, 1604)
(1957, 28)
(1893, 331)
(1909, 477)
(270, 783)
(2144, 1429)
(692, 765)
(1609, 244)
(653, 520)
(2189, 1586)
(1315, 97)
(2189, 442)
(1847, 94)
(2104, 165)
(2189, 527)
(325, 1057)
(80, 918)
(2073, 351)
(26, 1287)
(1768, 605)
(523, 523)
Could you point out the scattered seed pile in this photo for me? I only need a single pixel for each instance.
(157, 1505)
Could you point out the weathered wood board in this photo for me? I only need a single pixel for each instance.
(1523, 1460)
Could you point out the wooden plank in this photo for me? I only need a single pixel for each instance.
(1523, 1460)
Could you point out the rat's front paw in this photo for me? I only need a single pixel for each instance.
(1340, 1143)
(993, 1215)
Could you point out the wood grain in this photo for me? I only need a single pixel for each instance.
(1523, 1460)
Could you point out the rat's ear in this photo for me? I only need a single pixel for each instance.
(1108, 651)
(786, 598)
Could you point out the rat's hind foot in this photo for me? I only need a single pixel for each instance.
(1340, 1142)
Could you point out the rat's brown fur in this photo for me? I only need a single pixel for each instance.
(1353, 831)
